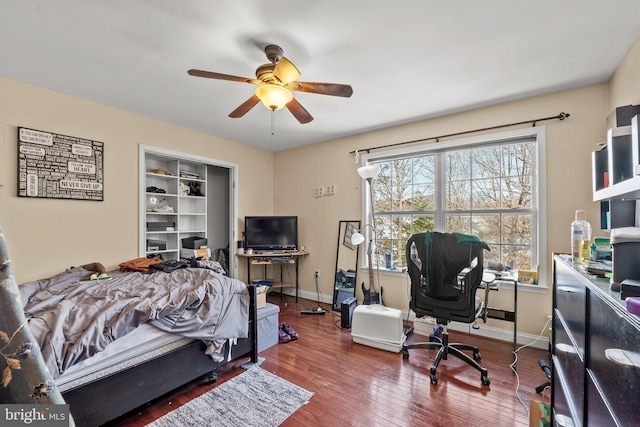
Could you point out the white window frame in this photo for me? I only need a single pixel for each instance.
(536, 133)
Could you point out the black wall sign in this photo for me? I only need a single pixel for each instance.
(59, 166)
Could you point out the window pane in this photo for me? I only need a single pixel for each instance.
(401, 227)
(521, 256)
(517, 192)
(458, 195)
(423, 223)
(383, 227)
(486, 162)
(486, 193)
(458, 224)
(424, 197)
(487, 228)
(517, 229)
(424, 169)
(458, 165)
(481, 186)
(517, 159)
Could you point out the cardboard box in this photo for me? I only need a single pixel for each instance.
(539, 414)
(195, 253)
(528, 277)
(261, 300)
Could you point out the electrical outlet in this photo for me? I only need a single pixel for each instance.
(317, 273)
(331, 190)
(318, 192)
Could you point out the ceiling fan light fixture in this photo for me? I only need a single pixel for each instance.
(273, 96)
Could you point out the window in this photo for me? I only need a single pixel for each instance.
(490, 186)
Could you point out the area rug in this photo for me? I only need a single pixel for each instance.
(254, 398)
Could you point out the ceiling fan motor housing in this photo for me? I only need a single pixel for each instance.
(274, 53)
(264, 72)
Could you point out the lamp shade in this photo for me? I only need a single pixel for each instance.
(369, 171)
(357, 238)
(273, 96)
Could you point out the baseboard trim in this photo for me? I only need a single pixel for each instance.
(522, 339)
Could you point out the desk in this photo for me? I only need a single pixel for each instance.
(266, 259)
(502, 314)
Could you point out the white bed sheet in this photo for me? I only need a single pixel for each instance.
(144, 343)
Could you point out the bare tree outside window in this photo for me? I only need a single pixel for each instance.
(484, 190)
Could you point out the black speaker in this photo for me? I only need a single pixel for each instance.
(346, 311)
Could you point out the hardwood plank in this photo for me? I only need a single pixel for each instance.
(357, 385)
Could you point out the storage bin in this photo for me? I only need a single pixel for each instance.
(268, 325)
(378, 326)
(626, 255)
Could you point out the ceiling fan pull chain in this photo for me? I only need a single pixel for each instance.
(273, 123)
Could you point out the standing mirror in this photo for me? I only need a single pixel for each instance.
(346, 263)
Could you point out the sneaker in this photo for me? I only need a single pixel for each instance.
(286, 328)
(283, 336)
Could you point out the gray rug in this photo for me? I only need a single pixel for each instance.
(254, 398)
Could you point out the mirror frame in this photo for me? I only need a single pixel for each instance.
(345, 229)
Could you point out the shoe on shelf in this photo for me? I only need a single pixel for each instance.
(283, 336)
(286, 328)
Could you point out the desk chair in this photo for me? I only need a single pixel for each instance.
(445, 271)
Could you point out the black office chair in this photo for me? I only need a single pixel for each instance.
(445, 271)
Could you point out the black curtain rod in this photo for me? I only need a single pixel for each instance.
(560, 116)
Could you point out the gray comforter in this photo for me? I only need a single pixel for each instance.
(73, 318)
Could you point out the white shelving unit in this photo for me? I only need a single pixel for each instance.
(189, 188)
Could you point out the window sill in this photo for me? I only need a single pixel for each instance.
(522, 287)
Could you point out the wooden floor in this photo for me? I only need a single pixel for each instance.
(359, 385)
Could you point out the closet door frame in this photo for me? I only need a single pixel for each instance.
(233, 172)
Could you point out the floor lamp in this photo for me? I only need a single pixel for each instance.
(369, 173)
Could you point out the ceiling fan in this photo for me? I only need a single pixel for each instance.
(275, 82)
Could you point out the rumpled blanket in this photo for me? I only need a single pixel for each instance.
(72, 318)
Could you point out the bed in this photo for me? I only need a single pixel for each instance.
(136, 336)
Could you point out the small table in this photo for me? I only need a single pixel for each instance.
(502, 314)
(265, 259)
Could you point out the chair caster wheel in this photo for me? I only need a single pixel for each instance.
(477, 356)
(211, 378)
(405, 354)
(484, 378)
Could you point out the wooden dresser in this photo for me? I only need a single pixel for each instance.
(595, 352)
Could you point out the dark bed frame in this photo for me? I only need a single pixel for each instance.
(103, 400)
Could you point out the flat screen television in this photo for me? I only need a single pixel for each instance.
(271, 233)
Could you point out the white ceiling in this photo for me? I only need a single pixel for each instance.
(406, 60)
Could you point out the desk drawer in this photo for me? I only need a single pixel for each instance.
(598, 413)
(612, 330)
(570, 299)
(569, 367)
(565, 412)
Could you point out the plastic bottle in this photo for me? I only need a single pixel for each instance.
(580, 238)
(387, 259)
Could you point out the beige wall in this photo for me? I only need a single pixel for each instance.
(569, 144)
(45, 236)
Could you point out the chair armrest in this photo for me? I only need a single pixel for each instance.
(463, 275)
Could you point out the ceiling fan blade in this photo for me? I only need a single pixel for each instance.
(220, 76)
(334, 89)
(285, 71)
(244, 107)
(299, 112)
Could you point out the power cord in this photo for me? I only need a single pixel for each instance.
(515, 361)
